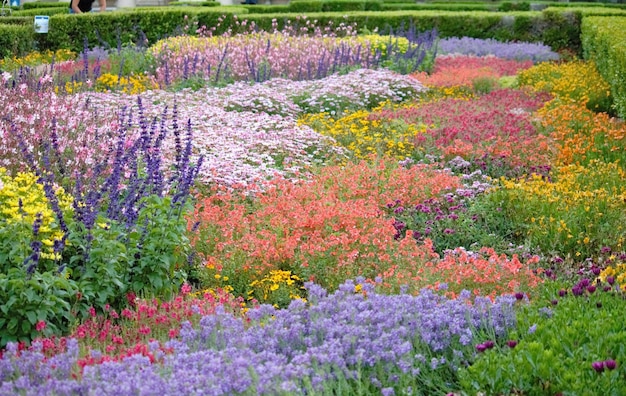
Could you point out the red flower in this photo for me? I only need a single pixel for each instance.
(40, 325)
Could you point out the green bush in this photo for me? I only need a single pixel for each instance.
(514, 6)
(70, 31)
(267, 9)
(43, 11)
(439, 6)
(334, 5)
(29, 299)
(195, 3)
(603, 39)
(16, 40)
(16, 20)
(44, 4)
(305, 6)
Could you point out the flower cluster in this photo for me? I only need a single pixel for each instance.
(464, 70)
(364, 137)
(325, 230)
(131, 85)
(580, 135)
(481, 47)
(498, 124)
(571, 82)
(344, 336)
(23, 204)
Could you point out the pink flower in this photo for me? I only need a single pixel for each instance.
(40, 325)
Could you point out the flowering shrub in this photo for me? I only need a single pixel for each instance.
(480, 47)
(277, 288)
(570, 82)
(131, 85)
(364, 137)
(28, 223)
(76, 133)
(115, 335)
(125, 232)
(464, 70)
(561, 215)
(376, 42)
(324, 230)
(37, 58)
(345, 340)
(256, 141)
(484, 272)
(256, 57)
(496, 125)
(582, 136)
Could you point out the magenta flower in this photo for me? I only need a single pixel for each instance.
(598, 366)
(481, 348)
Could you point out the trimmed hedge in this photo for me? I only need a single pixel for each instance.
(43, 11)
(70, 31)
(266, 9)
(604, 41)
(43, 4)
(557, 28)
(441, 6)
(15, 20)
(194, 3)
(334, 5)
(16, 40)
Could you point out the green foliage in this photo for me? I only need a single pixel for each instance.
(556, 356)
(603, 40)
(16, 40)
(267, 9)
(334, 5)
(439, 6)
(42, 11)
(44, 4)
(69, 31)
(28, 299)
(557, 216)
(306, 6)
(484, 85)
(130, 60)
(507, 6)
(562, 30)
(195, 3)
(109, 260)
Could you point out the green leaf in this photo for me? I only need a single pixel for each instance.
(32, 317)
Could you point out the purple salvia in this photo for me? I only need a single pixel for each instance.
(221, 63)
(176, 132)
(32, 261)
(85, 59)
